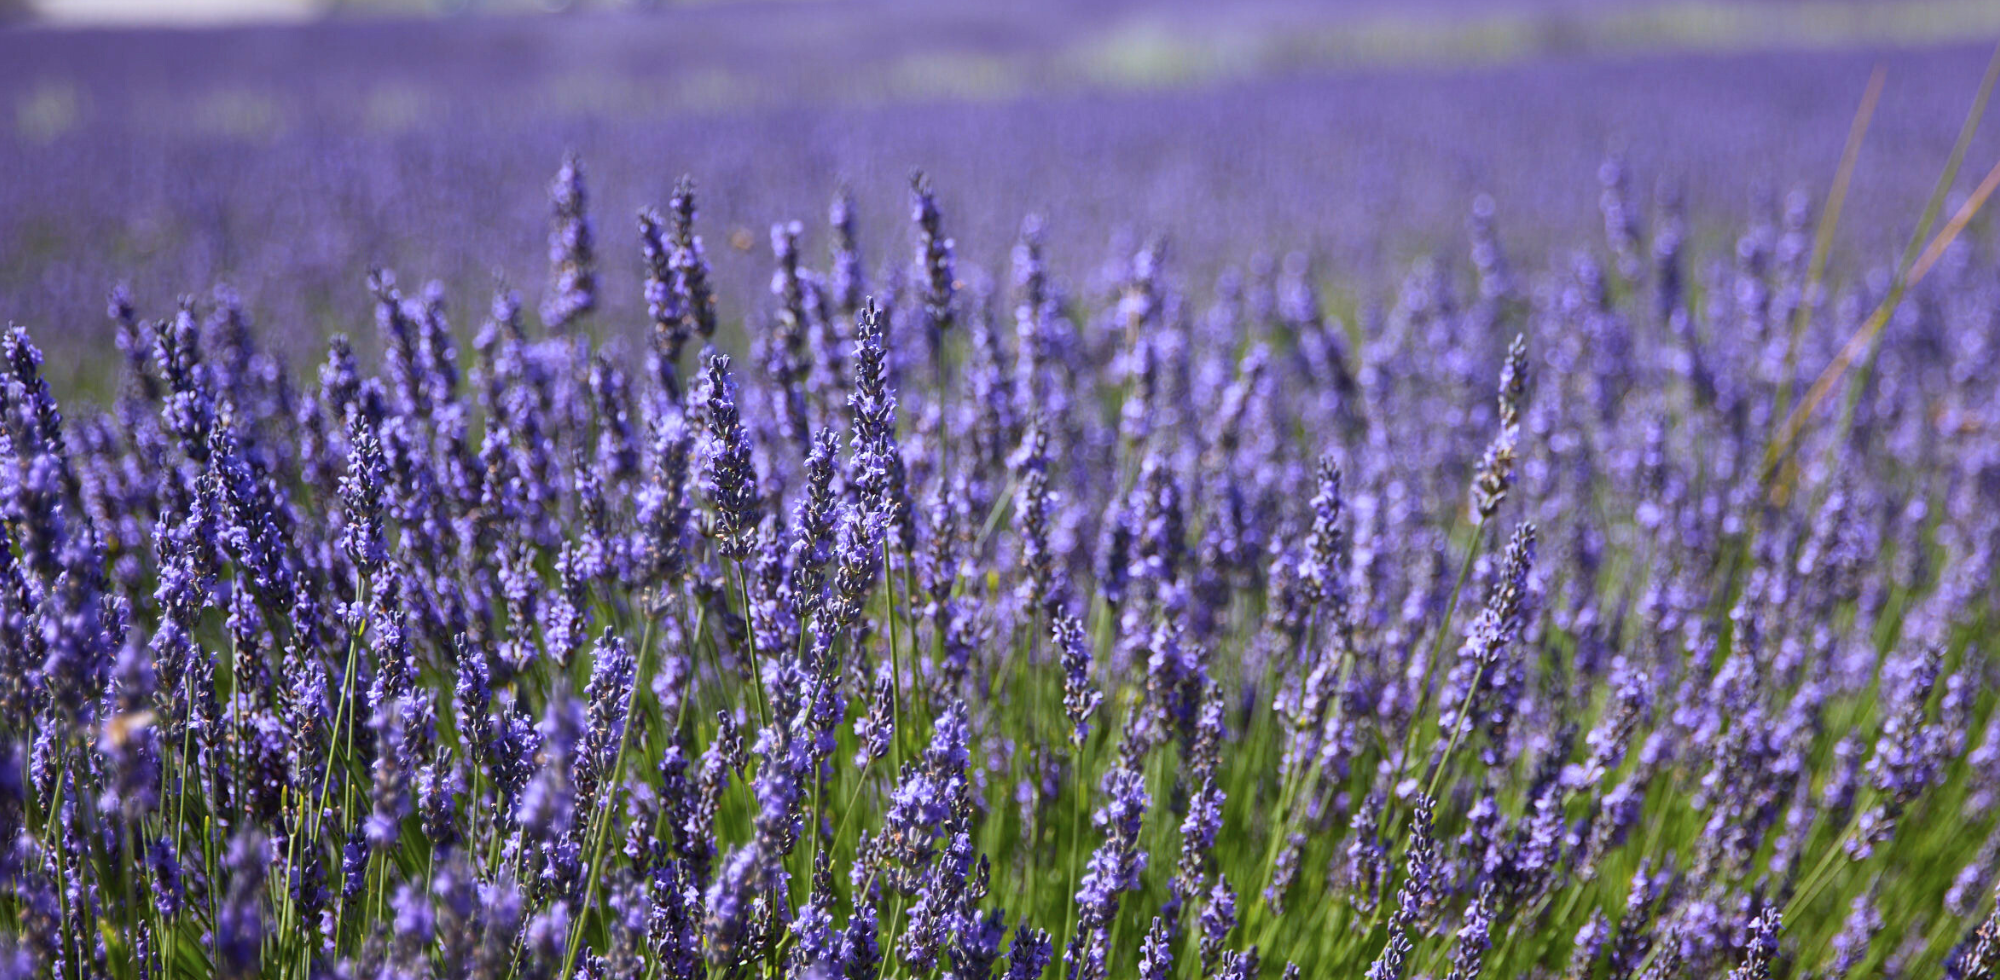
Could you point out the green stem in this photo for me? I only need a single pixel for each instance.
(895, 659)
(1437, 650)
(750, 641)
(1457, 730)
(1075, 838)
(608, 802)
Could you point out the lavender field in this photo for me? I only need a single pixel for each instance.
(545, 498)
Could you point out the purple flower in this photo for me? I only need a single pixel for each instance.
(876, 729)
(1089, 954)
(662, 505)
(818, 940)
(1325, 568)
(61, 557)
(1080, 698)
(1218, 917)
(729, 902)
(776, 790)
(844, 281)
(1239, 965)
(129, 741)
(1482, 658)
(1473, 940)
(1029, 954)
(671, 326)
(732, 475)
(362, 492)
(473, 695)
(1040, 585)
(189, 410)
(1850, 946)
(1978, 957)
(610, 700)
(1366, 869)
(391, 793)
(415, 922)
(1117, 863)
(689, 265)
(572, 261)
(239, 925)
(1760, 948)
(1901, 768)
(784, 347)
(860, 947)
(928, 797)
(546, 939)
(1413, 898)
(1612, 735)
(1160, 544)
(934, 259)
(1588, 946)
(977, 947)
(547, 808)
(1156, 958)
(858, 565)
(1496, 468)
(1198, 830)
(877, 471)
(169, 888)
(813, 526)
(438, 785)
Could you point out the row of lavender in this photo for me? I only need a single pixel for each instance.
(974, 631)
(287, 161)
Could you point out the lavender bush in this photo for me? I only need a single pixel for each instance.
(980, 629)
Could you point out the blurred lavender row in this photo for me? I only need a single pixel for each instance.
(303, 155)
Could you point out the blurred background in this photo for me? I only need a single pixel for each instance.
(74, 12)
(284, 146)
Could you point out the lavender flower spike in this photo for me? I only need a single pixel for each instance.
(732, 475)
(572, 259)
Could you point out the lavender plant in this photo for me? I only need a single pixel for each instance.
(1134, 641)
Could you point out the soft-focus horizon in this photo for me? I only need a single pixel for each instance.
(1403, 29)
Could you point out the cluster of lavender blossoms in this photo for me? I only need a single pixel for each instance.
(975, 627)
